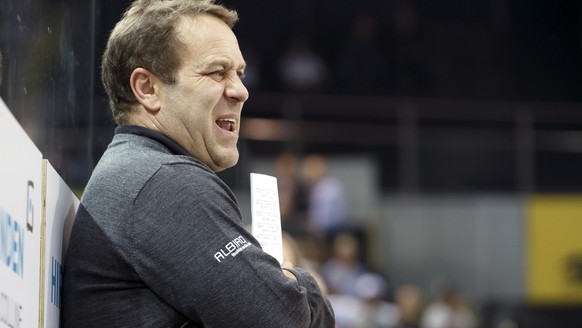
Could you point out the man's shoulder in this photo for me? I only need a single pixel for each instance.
(134, 153)
(185, 175)
(131, 161)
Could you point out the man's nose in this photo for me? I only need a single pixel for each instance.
(237, 90)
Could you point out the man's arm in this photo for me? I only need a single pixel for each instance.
(191, 248)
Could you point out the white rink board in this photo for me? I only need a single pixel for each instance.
(20, 228)
(59, 213)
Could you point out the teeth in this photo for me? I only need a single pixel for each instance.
(227, 124)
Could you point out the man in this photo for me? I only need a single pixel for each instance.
(158, 240)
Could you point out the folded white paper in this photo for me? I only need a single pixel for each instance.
(266, 215)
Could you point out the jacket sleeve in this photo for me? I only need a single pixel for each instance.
(189, 246)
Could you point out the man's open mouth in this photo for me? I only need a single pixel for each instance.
(226, 124)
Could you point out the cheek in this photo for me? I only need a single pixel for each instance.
(198, 103)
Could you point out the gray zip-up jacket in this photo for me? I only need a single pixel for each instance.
(158, 241)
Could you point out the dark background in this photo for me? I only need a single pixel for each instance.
(448, 96)
(505, 75)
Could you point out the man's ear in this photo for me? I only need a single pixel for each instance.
(145, 88)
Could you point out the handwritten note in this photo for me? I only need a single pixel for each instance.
(266, 215)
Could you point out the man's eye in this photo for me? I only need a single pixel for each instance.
(241, 75)
(219, 73)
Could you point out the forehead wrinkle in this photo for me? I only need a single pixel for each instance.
(225, 63)
(223, 51)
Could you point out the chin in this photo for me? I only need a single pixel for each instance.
(226, 162)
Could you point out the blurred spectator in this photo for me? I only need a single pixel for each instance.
(326, 211)
(362, 65)
(408, 298)
(343, 269)
(367, 307)
(292, 194)
(372, 288)
(293, 258)
(449, 310)
(349, 311)
(300, 68)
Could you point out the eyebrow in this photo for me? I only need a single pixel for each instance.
(225, 63)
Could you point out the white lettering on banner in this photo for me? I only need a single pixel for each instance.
(232, 248)
(11, 243)
(56, 279)
(9, 311)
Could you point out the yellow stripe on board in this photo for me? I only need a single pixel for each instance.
(554, 237)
